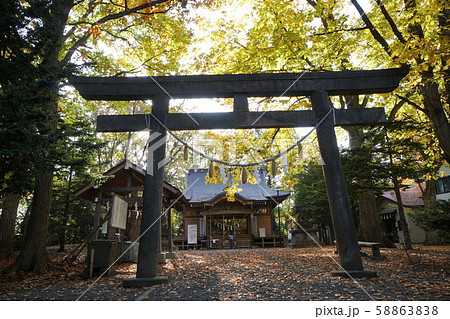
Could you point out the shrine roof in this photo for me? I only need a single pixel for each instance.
(411, 196)
(197, 191)
(125, 177)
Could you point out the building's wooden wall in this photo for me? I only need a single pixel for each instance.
(265, 221)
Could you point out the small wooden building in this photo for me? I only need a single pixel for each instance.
(126, 179)
(390, 220)
(213, 218)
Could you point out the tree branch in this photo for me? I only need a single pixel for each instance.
(324, 20)
(391, 22)
(341, 30)
(414, 27)
(140, 66)
(114, 16)
(115, 36)
(372, 28)
(411, 103)
(117, 5)
(394, 110)
(365, 101)
(90, 9)
(152, 13)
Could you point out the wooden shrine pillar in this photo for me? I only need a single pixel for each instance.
(152, 202)
(98, 208)
(171, 254)
(344, 227)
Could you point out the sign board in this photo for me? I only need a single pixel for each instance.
(192, 234)
(119, 213)
(262, 232)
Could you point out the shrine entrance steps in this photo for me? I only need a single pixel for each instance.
(256, 242)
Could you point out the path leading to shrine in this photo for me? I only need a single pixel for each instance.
(250, 274)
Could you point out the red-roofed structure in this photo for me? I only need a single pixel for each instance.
(388, 208)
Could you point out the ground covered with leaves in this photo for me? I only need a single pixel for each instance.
(246, 274)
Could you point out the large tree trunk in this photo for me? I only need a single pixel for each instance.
(8, 223)
(429, 203)
(66, 213)
(435, 111)
(429, 194)
(369, 220)
(34, 254)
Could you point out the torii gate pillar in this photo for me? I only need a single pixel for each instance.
(341, 215)
(147, 265)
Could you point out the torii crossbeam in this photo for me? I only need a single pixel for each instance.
(317, 85)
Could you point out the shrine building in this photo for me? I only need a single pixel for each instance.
(210, 218)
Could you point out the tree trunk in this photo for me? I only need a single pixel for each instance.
(429, 194)
(400, 209)
(369, 220)
(8, 223)
(63, 231)
(435, 111)
(429, 203)
(401, 213)
(62, 234)
(34, 254)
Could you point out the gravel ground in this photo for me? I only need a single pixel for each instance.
(251, 274)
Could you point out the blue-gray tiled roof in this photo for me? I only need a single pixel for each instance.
(197, 191)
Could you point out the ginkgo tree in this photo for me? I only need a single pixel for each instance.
(318, 35)
(416, 34)
(52, 39)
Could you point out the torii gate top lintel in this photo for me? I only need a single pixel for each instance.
(228, 85)
(239, 87)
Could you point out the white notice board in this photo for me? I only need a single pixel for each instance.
(262, 232)
(119, 213)
(192, 234)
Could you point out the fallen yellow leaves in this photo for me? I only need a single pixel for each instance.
(249, 274)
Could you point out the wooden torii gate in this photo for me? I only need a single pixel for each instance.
(317, 85)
